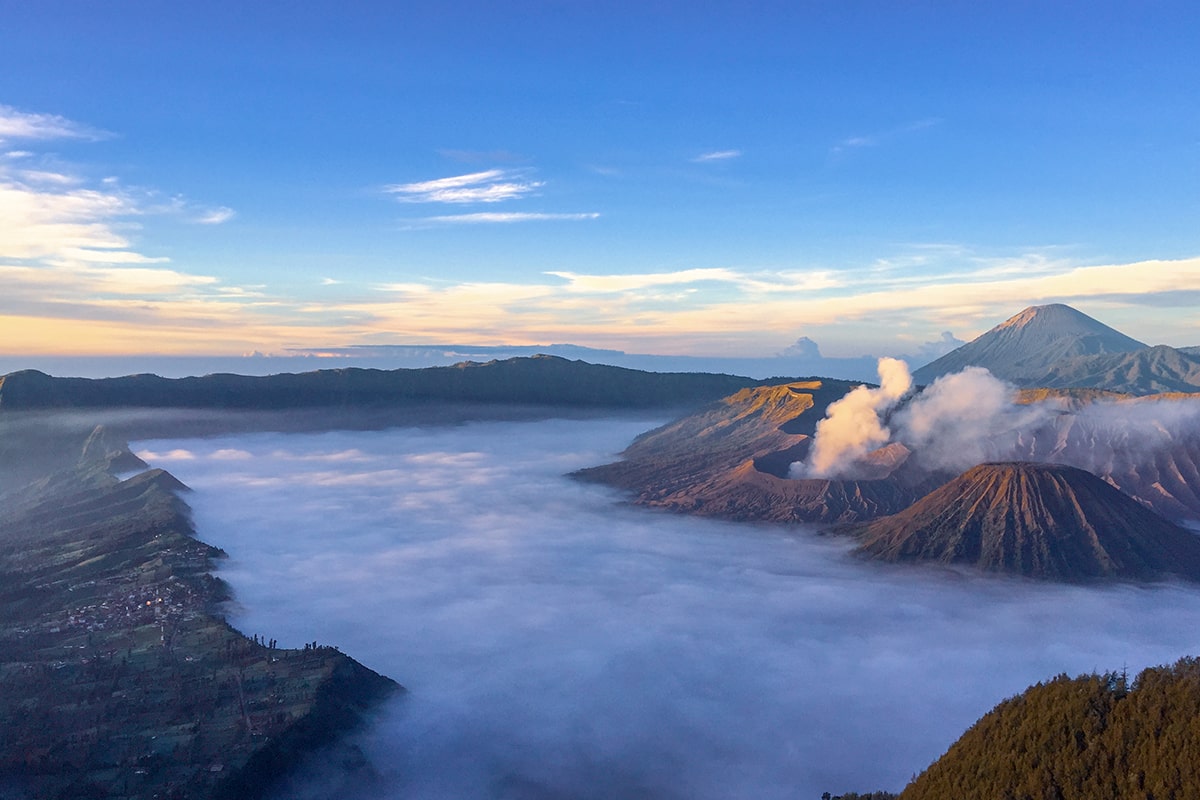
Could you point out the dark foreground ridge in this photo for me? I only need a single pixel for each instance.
(540, 380)
(1094, 737)
(121, 678)
(1038, 520)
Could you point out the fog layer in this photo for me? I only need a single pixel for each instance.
(558, 643)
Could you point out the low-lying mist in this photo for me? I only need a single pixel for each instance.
(557, 643)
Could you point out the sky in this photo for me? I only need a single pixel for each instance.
(712, 179)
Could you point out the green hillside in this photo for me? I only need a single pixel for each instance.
(1094, 737)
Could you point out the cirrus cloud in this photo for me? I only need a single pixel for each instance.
(488, 186)
(717, 155)
(17, 124)
(492, 217)
(216, 216)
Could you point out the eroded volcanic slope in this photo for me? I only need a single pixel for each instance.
(121, 678)
(730, 460)
(1039, 520)
(1158, 465)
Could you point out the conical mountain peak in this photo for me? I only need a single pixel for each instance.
(1058, 319)
(1040, 520)
(1030, 342)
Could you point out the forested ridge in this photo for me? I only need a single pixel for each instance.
(1091, 737)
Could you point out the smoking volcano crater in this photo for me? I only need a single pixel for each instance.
(829, 453)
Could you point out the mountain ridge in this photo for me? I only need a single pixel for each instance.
(1151, 370)
(536, 380)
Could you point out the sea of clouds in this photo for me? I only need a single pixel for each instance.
(559, 643)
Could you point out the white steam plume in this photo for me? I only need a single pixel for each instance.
(971, 417)
(852, 426)
(965, 419)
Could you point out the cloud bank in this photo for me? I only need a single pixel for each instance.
(558, 643)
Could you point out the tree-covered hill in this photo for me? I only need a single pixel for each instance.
(1094, 737)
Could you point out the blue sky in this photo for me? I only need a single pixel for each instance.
(708, 179)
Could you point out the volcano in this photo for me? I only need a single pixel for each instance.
(731, 460)
(1031, 343)
(1039, 520)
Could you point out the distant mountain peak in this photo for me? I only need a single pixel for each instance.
(1029, 343)
(1058, 314)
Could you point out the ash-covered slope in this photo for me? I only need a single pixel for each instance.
(1147, 447)
(1149, 371)
(1031, 343)
(1038, 520)
(730, 459)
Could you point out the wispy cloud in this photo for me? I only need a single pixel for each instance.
(880, 137)
(17, 124)
(55, 217)
(736, 281)
(33, 285)
(489, 186)
(49, 217)
(629, 283)
(490, 217)
(716, 155)
(216, 216)
(75, 277)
